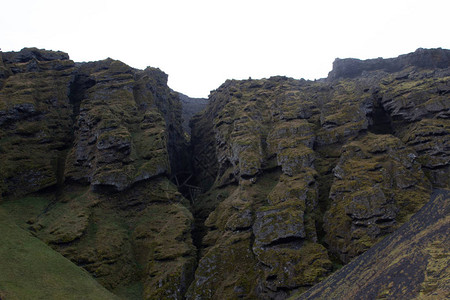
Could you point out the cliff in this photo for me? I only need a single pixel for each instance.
(87, 151)
(305, 176)
(411, 263)
(275, 185)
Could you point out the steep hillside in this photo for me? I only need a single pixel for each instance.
(276, 185)
(30, 269)
(411, 263)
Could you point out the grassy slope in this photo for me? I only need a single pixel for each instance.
(410, 263)
(29, 269)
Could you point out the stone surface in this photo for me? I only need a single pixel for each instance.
(98, 143)
(190, 107)
(35, 119)
(287, 179)
(412, 263)
(377, 186)
(316, 171)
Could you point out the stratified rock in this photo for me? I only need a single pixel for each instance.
(121, 136)
(35, 119)
(421, 58)
(378, 184)
(300, 172)
(81, 135)
(411, 263)
(270, 213)
(288, 178)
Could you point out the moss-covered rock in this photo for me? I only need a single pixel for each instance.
(35, 119)
(411, 263)
(114, 140)
(358, 154)
(80, 136)
(31, 269)
(141, 236)
(294, 173)
(378, 184)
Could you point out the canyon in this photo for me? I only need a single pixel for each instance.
(268, 188)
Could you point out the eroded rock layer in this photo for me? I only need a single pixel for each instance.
(412, 263)
(98, 143)
(287, 179)
(308, 175)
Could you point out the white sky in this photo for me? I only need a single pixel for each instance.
(200, 44)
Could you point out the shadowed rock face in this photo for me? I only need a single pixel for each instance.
(298, 177)
(35, 119)
(191, 106)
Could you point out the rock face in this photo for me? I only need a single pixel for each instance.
(190, 107)
(296, 177)
(377, 186)
(99, 142)
(412, 263)
(35, 119)
(421, 58)
(306, 175)
(121, 136)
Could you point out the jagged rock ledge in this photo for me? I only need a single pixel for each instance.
(421, 58)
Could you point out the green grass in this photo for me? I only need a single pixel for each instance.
(29, 269)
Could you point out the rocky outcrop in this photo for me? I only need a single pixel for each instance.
(35, 119)
(378, 184)
(116, 121)
(98, 143)
(307, 175)
(118, 118)
(412, 263)
(421, 58)
(140, 237)
(287, 179)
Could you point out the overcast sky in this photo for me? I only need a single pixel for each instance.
(200, 44)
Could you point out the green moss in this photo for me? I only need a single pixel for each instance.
(305, 266)
(375, 178)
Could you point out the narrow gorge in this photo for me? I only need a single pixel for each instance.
(261, 191)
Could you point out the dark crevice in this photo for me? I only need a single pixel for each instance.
(78, 88)
(290, 241)
(193, 176)
(380, 122)
(324, 164)
(384, 221)
(76, 94)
